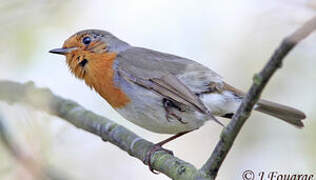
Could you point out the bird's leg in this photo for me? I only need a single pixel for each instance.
(158, 147)
(169, 108)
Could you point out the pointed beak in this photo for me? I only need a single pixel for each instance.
(63, 51)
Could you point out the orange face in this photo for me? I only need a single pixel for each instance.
(82, 46)
(88, 59)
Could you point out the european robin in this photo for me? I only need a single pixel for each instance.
(160, 92)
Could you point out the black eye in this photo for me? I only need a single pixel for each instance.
(86, 40)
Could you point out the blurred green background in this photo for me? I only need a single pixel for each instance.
(233, 37)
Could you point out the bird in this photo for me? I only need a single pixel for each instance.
(160, 92)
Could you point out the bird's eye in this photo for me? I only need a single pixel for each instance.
(86, 40)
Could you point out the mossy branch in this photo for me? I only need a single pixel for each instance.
(43, 99)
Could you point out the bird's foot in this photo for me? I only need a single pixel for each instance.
(153, 150)
(158, 147)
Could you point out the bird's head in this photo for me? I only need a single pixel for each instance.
(87, 46)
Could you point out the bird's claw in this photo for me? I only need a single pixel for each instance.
(153, 150)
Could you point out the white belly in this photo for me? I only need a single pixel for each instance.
(147, 111)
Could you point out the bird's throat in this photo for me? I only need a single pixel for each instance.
(100, 76)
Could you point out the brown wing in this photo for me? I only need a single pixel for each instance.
(171, 76)
(178, 91)
(168, 86)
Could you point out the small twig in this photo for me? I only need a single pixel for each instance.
(6, 139)
(37, 170)
(45, 100)
(16, 152)
(260, 80)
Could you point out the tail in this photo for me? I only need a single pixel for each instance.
(285, 113)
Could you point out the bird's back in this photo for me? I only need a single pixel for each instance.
(147, 64)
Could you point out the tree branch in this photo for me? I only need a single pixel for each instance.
(260, 80)
(45, 100)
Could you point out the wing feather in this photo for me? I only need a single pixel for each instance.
(165, 74)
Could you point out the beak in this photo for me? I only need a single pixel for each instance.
(63, 51)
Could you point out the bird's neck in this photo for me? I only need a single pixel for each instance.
(100, 76)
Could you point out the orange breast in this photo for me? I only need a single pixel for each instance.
(100, 76)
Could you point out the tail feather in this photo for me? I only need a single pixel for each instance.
(286, 113)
